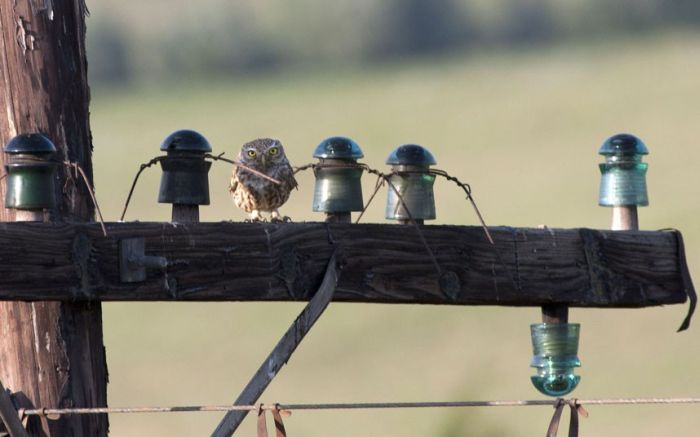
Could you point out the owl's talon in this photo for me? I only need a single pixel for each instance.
(255, 220)
(285, 219)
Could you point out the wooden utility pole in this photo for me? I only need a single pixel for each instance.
(52, 352)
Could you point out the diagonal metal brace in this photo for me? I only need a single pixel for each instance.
(9, 416)
(282, 352)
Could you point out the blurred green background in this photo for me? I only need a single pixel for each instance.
(513, 96)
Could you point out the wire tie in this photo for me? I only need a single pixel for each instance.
(262, 427)
(279, 425)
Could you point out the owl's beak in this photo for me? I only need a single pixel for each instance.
(264, 161)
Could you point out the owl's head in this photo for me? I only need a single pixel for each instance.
(263, 153)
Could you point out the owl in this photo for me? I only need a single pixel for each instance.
(254, 194)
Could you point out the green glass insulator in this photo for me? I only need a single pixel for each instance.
(411, 164)
(416, 190)
(555, 349)
(30, 172)
(30, 185)
(338, 186)
(623, 174)
(338, 189)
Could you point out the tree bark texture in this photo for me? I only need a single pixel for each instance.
(52, 352)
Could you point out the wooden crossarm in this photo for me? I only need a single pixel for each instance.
(382, 263)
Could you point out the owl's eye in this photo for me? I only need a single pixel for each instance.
(273, 151)
(252, 153)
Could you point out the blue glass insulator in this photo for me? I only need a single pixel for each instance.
(338, 148)
(623, 145)
(555, 349)
(623, 174)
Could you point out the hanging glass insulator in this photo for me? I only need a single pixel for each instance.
(555, 349)
(30, 172)
(410, 164)
(185, 178)
(623, 174)
(338, 187)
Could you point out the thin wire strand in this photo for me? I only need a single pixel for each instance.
(357, 406)
(220, 157)
(468, 191)
(386, 179)
(379, 184)
(79, 174)
(143, 167)
(416, 226)
(157, 159)
(304, 168)
(80, 170)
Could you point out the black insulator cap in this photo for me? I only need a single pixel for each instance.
(186, 141)
(411, 154)
(623, 145)
(33, 144)
(338, 148)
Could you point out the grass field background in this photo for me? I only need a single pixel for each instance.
(524, 129)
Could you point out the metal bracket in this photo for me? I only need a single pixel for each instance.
(133, 260)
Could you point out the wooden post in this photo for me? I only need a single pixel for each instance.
(52, 352)
(624, 218)
(408, 221)
(338, 217)
(555, 314)
(185, 213)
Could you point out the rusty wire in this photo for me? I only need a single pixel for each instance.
(470, 197)
(55, 412)
(143, 167)
(79, 174)
(79, 170)
(383, 178)
(220, 157)
(157, 159)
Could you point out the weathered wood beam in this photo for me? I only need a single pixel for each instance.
(381, 263)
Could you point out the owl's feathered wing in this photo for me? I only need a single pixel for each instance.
(233, 183)
(288, 179)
